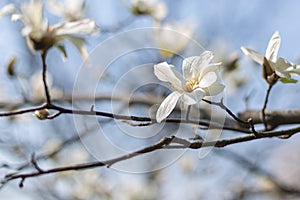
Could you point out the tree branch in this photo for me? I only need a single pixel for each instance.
(159, 145)
(273, 117)
(163, 143)
(61, 110)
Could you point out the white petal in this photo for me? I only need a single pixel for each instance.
(193, 65)
(16, 17)
(281, 66)
(214, 89)
(78, 42)
(187, 99)
(208, 79)
(188, 70)
(84, 26)
(205, 58)
(9, 9)
(257, 57)
(33, 17)
(193, 97)
(168, 73)
(167, 106)
(159, 11)
(211, 68)
(294, 69)
(273, 47)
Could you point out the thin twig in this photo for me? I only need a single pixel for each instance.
(54, 115)
(46, 89)
(34, 162)
(222, 106)
(20, 112)
(263, 111)
(252, 127)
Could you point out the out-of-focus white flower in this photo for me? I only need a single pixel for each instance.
(187, 163)
(158, 10)
(199, 79)
(71, 10)
(87, 185)
(78, 155)
(136, 189)
(172, 39)
(52, 145)
(273, 67)
(42, 36)
(37, 87)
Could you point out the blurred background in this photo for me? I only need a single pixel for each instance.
(122, 58)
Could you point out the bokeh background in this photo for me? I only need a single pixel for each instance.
(227, 173)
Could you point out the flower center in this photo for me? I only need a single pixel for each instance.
(192, 85)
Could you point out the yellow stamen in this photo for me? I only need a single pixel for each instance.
(192, 85)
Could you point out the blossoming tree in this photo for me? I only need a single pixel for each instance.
(131, 106)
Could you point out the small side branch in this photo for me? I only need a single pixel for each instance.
(228, 111)
(35, 164)
(20, 112)
(265, 106)
(46, 88)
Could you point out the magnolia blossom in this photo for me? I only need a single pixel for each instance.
(199, 79)
(273, 67)
(171, 39)
(42, 36)
(158, 10)
(72, 10)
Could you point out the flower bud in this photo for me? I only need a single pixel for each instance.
(42, 114)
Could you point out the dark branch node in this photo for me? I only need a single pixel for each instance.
(35, 164)
(21, 184)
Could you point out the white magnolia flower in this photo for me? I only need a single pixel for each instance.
(199, 79)
(273, 67)
(42, 36)
(72, 10)
(172, 39)
(158, 10)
